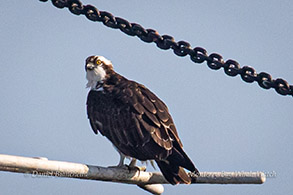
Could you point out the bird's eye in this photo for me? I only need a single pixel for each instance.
(99, 62)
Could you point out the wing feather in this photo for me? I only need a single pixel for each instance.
(149, 106)
(138, 108)
(162, 114)
(151, 118)
(133, 119)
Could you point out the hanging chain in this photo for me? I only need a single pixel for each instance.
(180, 48)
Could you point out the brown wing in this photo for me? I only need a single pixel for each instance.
(162, 113)
(134, 119)
(138, 123)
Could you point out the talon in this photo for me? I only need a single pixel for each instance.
(131, 168)
(143, 168)
(136, 168)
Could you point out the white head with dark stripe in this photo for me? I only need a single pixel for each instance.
(97, 69)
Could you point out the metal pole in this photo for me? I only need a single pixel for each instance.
(150, 181)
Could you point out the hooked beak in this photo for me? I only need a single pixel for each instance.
(89, 67)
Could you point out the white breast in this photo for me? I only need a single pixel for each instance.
(94, 76)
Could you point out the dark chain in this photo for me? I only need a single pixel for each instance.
(180, 48)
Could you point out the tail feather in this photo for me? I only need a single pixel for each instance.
(180, 158)
(174, 174)
(173, 167)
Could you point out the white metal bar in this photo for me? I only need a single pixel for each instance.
(42, 167)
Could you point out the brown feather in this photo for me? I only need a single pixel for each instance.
(149, 106)
(151, 118)
(139, 125)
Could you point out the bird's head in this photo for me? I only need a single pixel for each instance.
(97, 70)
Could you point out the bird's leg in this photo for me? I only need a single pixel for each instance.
(121, 162)
(132, 165)
(152, 162)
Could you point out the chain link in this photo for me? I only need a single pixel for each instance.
(181, 48)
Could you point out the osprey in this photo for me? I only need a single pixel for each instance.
(135, 120)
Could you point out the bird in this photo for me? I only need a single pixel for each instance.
(135, 120)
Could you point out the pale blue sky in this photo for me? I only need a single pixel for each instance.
(224, 123)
